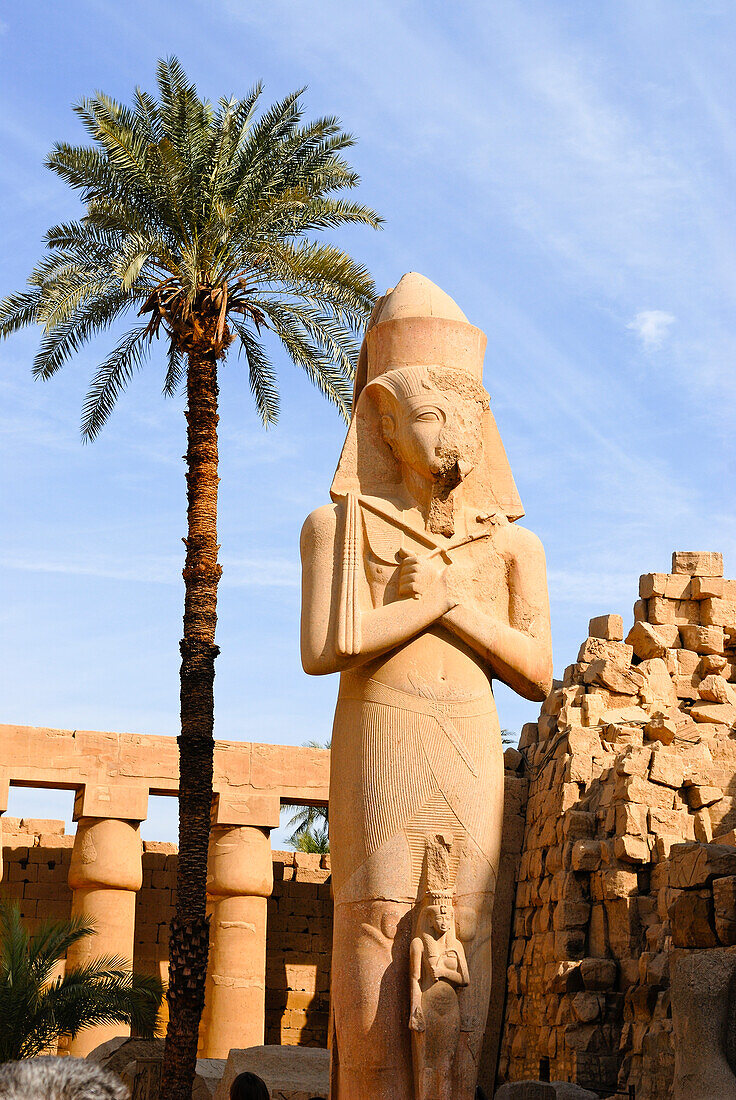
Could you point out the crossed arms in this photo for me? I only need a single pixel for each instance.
(519, 653)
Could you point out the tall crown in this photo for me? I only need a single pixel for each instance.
(417, 324)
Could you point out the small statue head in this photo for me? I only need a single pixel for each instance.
(440, 915)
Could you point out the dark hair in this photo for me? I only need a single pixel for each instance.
(248, 1086)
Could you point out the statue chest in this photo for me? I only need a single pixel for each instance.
(478, 571)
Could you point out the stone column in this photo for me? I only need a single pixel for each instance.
(239, 881)
(105, 874)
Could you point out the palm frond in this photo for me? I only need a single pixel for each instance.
(110, 378)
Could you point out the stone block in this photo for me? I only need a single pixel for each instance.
(692, 866)
(667, 768)
(650, 640)
(724, 903)
(717, 612)
(675, 586)
(594, 649)
(673, 823)
(699, 795)
(698, 563)
(657, 687)
(619, 884)
(291, 1072)
(661, 729)
(703, 588)
(610, 675)
(586, 855)
(635, 789)
(664, 612)
(692, 919)
(702, 639)
(608, 627)
(571, 914)
(626, 715)
(702, 826)
(631, 849)
(713, 688)
(719, 714)
(598, 974)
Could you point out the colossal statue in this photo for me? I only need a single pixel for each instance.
(419, 589)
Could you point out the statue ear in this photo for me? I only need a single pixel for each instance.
(388, 428)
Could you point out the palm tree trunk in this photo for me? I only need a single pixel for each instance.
(189, 942)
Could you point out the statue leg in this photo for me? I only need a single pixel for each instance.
(476, 885)
(370, 1000)
(435, 1048)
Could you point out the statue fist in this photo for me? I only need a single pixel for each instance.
(416, 1020)
(419, 575)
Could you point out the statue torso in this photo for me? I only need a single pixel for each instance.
(435, 663)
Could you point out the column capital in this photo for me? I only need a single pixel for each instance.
(122, 802)
(244, 806)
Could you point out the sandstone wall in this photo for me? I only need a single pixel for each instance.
(633, 754)
(37, 854)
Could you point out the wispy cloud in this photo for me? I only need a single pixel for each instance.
(252, 572)
(652, 326)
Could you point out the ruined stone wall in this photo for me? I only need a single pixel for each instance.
(633, 753)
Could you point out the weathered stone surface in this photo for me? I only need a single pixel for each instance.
(594, 649)
(661, 729)
(714, 689)
(702, 639)
(650, 640)
(586, 855)
(543, 1090)
(701, 982)
(692, 919)
(610, 627)
(674, 586)
(699, 795)
(667, 768)
(619, 884)
(635, 789)
(631, 849)
(724, 903)
(598, 973)
(657, 687)
(716, 612)
(625, 681)
(723, 714)
(294, 1073)
(698, 563)
(695, 865)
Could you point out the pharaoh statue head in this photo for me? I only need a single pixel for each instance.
(419, 403)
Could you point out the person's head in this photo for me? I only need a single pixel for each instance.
(431, 419)
(48, 1078)
(248, 1086)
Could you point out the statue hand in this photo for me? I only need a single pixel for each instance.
(416, 1020)
(422, 576)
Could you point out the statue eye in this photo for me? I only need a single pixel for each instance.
(428, 415)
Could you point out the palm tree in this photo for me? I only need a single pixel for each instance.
(310, 824)
(36, 1009)
(199, 219)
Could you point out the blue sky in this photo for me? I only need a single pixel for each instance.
(564, 170)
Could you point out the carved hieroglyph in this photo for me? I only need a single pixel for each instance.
(420, 589)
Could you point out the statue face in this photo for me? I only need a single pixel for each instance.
(440, 918)
(438, 434)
